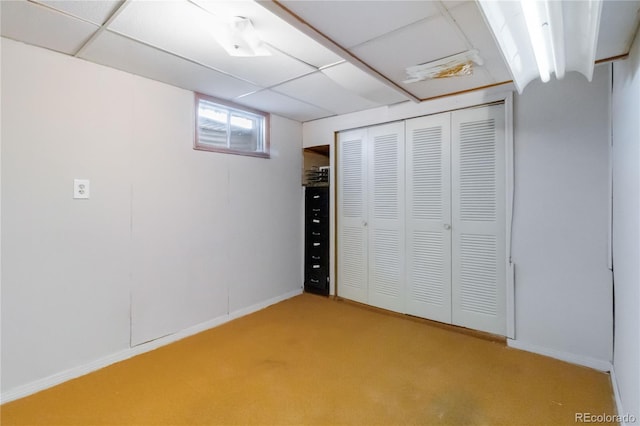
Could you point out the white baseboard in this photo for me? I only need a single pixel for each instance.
(616, 393)
(81, 370)
(261, 305)
(626, 419)
(585, 361)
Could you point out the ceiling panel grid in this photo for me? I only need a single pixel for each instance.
(327, 57)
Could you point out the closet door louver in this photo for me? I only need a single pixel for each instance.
(386, 216)
(478, 219)
(352, 215)
(428, 218)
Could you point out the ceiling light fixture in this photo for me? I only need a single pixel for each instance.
(540, 37)
(238, 37)
(455, 65)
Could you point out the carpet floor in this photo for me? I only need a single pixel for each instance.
(319, 361)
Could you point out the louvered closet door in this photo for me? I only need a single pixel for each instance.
(386, 216)
(478, 219)
(428, 218)
(352, 216)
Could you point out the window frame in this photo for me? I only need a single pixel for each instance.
(231, 107)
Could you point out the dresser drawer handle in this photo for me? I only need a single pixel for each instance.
(316, 220)
(315, 281)
(316, 197)
(315, 266)
(315, 257)
(316, 244)
(315, 233)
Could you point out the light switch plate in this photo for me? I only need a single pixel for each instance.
(81, 188)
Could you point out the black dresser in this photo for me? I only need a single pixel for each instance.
(316, 249)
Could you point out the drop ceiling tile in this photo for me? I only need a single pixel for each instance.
(182, 28)
(298, 45)
(176, 26)
(618, 24)
(451, 4)
(96, 11)
(350, 23)
(359, 82)
(275, 31)
(416, 44)
(38, 25)
(469, 19)
(119, 52)
(321, 91)
(276, 103)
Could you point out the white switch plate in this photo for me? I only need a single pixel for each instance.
(81, 188)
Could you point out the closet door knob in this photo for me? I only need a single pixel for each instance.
(447, 226)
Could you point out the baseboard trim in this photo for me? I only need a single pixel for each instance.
(81, 370)
(618, 399)
(584, 361)
(261, 305)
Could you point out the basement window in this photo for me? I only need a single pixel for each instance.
(222, 126)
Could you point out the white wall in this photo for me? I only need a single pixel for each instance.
(626, 228)
(563, 302)
(561, 216)
(170, 238)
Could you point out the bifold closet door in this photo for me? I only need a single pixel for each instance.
(428, 218)
(421, 225)
(478, 219)
(352, 215)
(385, 159)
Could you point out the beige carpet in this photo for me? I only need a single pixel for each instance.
(312, 360)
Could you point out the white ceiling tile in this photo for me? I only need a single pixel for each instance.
(41, 26)
(277, 103)
(321, 91)
(175, 26)
(182, 28)
(350, 23)
(265, 71)
(451, 4)
(96, 11)
(359, 82)
(416, 44)
(470, 21)
(275, 31)
(617, 26)
(300, 47)
(119, 52)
